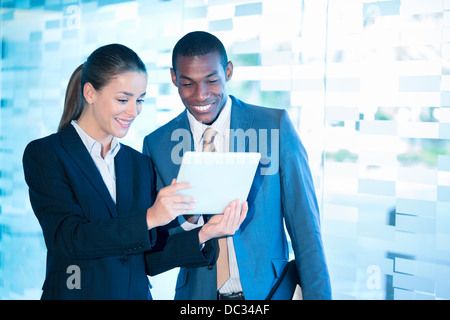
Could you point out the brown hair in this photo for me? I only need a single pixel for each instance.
(100, 67)
(73, 104)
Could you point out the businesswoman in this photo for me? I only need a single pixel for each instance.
(95, 198)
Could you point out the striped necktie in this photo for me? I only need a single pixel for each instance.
(223, 270)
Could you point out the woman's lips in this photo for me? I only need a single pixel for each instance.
(124, 123)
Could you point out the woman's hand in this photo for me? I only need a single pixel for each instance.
(224, 224)
(169, 205)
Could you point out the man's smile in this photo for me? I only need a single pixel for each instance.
(202, 109)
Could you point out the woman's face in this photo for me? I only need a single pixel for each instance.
(114, 107)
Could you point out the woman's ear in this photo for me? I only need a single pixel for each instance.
(89, 93)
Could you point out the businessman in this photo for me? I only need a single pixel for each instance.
(282, 190)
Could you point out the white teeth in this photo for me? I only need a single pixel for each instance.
(202, 108)
(122, 121)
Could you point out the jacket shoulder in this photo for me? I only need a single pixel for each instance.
(260, 111)
(137, 158)
(165, 129)
(263, 116)
(42, 145)
(133, 152)
(159, 137)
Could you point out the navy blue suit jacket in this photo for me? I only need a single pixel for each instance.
(107, 243)
(282, 192)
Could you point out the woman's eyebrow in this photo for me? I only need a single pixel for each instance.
(131, 94)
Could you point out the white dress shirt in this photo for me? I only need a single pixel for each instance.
(104, 165)
(222, 144)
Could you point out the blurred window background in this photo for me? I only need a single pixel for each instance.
(367, 85)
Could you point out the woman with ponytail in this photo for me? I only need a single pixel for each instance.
(95, 198)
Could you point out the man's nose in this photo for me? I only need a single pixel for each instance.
(202, 93)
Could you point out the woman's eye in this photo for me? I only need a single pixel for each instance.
(140, 101)
(122, 100)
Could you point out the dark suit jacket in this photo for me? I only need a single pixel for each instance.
(282, 191)
(83, 228)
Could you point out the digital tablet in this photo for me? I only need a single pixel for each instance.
(217, 178)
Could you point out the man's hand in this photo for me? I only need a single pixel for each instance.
(224, 224)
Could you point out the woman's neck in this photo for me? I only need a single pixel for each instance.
(94, 131)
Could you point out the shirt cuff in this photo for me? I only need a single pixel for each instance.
(187, 226)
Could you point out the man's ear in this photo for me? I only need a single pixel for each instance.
(229, 71)
(89, 92)
(174, 77)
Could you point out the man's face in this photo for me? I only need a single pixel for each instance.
(201, 85)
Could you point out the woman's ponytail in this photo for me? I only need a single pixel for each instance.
(73, 103)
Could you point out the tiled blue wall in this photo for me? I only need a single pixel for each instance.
(366, 83)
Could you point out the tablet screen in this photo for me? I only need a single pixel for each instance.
(218, 178)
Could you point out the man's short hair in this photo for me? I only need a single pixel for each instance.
(199, 43)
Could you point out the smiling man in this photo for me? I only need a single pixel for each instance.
(258, 252)
(201, 84)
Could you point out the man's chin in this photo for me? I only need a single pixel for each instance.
(205, 118)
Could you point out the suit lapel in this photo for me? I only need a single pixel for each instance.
(73, 145)
(241, 118)
(124, 180)
(178, 147)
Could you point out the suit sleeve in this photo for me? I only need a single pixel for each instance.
(178, 250)
(66, 230)
(301, 213)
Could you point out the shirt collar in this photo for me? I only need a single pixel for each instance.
(221, 124)
(93, 146)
